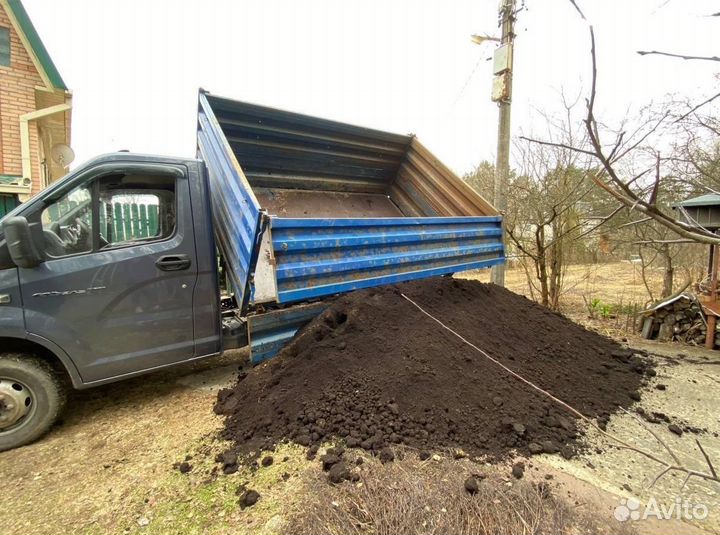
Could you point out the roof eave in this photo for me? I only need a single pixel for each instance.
(31, 39)
(696, 202)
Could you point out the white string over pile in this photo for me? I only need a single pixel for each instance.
(669, 467)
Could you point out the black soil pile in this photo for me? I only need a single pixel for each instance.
(373, 371)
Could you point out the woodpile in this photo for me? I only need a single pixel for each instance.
(680, 319)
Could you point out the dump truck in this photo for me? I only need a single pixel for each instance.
(116, 269)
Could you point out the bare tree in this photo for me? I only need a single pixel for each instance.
(653, 247)
(629, 169)
(550, 213)
(695, 145)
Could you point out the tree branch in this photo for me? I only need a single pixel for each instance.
(696, 108)
(625, 194)
(578, 9)
(707, 459)
(680, 56)
(559, 145)
(671, 242)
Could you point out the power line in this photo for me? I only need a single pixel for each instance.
(467, 82)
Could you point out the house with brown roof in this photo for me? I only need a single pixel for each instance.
(35, 110)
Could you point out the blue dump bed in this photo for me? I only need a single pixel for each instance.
(305, 208)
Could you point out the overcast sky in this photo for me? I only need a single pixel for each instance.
(134, 66)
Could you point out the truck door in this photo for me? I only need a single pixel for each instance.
(116, 292)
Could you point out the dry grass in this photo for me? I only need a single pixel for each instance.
(415, 497)
(612, 282)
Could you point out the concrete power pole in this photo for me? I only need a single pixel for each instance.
(502, 94)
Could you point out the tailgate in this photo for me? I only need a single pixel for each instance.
(235, 210)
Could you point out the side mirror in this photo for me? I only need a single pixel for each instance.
(20, 243)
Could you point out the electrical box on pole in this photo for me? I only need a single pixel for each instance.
(502, 69)
(501, 87)
(503, 58)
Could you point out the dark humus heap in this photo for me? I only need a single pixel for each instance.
(373, 371)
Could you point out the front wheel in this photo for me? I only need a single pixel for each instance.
(31, 398)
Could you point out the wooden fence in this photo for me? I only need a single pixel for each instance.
(119, 222)
(129, 221)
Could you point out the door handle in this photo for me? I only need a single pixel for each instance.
(177, 262)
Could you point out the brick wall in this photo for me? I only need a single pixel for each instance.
(17, 97)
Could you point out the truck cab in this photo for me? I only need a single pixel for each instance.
(109, 273)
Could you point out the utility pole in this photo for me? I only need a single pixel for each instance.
(502, 94)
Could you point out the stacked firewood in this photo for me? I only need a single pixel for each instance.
(680, 319)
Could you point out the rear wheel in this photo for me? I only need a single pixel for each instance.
(31, 398)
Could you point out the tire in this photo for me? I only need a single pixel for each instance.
(32, 383)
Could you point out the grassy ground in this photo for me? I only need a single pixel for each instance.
(108, 467)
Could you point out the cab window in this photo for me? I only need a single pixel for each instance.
(116, 210)
(67, 224)
(136, 209)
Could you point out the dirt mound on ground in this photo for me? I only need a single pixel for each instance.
(372, 370)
